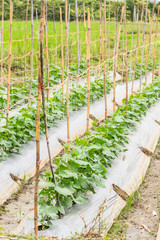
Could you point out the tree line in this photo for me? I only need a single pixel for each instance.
(19, 8)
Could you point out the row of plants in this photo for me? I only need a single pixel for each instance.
(84, 163)
(22, 127)
(20, 91)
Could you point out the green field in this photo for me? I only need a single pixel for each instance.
(18, 41)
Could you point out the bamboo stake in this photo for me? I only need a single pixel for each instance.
(149, 40)
(155, 45)
(62, 57)
(81, 41)
(134, 19)
(109, 29)
(37, 24)
(25, 50)
(88, 69)
(78, 57)
(9, 61)
(84, 22)
(138, 40)
(47, 66)
(2, 41)
(67, 65)
(125, 59)
(100, 36)
(30, 89)
(68, 19)
(146, 63)
(55, 32)
(105, 50)
(40, 75)
(115, 61)
(144, 30)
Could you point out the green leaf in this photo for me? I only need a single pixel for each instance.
(66, 191)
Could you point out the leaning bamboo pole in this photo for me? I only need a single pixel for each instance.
(134, 19)
(62, 54)
(9, 61)
(55, 32)
(2, 41)
(155, 45)
(88, 69)
(116, 59)
(78, 56)
(84, 19)
(47, 65)
(40, 75)
(143, 46)
(125, 57)
(105, 50)
(31, 56)
(25, 43)
(67, 66)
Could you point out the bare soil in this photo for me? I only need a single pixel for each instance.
(18, 206)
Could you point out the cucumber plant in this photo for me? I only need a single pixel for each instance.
(84, 163)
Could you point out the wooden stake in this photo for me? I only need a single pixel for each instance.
(105, 50)
(115, 61)
(134, 19)
(84, 22)
(138, 39)
(9, 62)
(2, 41)
(125, 58)
(62, 57)
(55, 32)
(149, 40)
(78, 57)
(155, 45)
(40, 75)
(144, 30)
(100, 36)
(67, 65)
(146, 63)
(68, 19)
(88, 69)
(25, 47)
(109, 29)
(30, 89)
(47, 66)
(37, 24)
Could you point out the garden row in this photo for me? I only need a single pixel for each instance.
(20, 91)
(84, 163)
(22, 127)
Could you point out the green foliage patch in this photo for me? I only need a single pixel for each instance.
(84, 163)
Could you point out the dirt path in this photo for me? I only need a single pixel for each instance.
(141, 221)
(18, 206)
